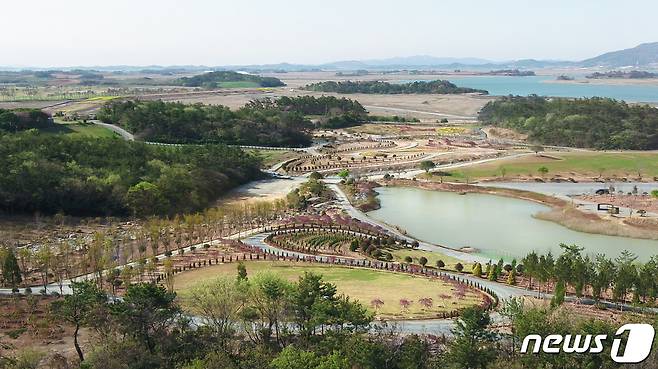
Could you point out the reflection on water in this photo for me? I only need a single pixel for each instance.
(497, 226)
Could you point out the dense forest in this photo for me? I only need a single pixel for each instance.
(333, 112)
(159, 121)
(380, 87)
(266, 122)
(23, 119)
(88, 176)
(598, 123)
(215, 79)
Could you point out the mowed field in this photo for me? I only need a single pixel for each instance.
(80, 130)
(363, 285)
(271, 157)
(574, 164)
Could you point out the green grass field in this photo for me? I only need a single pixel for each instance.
(567, 165)
(360, 284)
(271, 157)
(80, 130)
(238, 84)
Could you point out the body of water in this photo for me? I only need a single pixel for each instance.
(543, 86)
(497, 226)
(572, 189)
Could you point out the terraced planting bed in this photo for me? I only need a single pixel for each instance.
(336, 242)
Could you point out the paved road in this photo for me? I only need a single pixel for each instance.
(122, 132)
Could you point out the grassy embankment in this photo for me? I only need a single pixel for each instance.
(579, 165)
(80, 129)
(360, 284)
(272, 157)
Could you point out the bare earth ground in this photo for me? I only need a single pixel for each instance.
(429, 108)
(28, 104)
(644, 202)
(267, 189)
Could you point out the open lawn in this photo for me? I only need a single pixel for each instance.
(239, 84)
(271, 157)
(360, 284)
(81, 129)
(573, 164)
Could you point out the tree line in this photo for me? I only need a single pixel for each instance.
(172, 122)
(599, 123)
(381, 87)
(599, 277)
(58, 259)
(266, 122)
(99, 177)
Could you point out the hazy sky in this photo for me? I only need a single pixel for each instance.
(222, 32)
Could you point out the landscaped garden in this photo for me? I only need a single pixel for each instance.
(387, 294)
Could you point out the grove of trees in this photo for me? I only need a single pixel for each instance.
(23, 119)
(171, 122)
(265, 122)
(599, 123)
(380, 87)
(99, 177)
(212, 80)
(621, 279)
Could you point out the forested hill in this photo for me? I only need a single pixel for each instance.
(23, 119)
(641, 55)
(102, 177)
(333, 112)
(267, 122)
(170, 122)
(228, 79)
(380, 87)
(598, 123)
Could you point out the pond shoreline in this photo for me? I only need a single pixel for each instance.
(562, 212)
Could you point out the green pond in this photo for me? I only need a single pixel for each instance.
(496, 226)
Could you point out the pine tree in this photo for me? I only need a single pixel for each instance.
(11, 272)
(558, 297)
(492, 273)
(242, 272)
(477, 270)
(511, 278)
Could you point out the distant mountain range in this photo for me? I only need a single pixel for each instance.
(641, 56)
(644, 55)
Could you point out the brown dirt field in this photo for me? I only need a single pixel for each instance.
(645, 202)
(35, 327)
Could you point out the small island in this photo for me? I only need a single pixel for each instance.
(381, 87)
(634, 74)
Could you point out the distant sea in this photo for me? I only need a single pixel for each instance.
(543, 86)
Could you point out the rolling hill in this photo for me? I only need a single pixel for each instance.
(641, 55)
